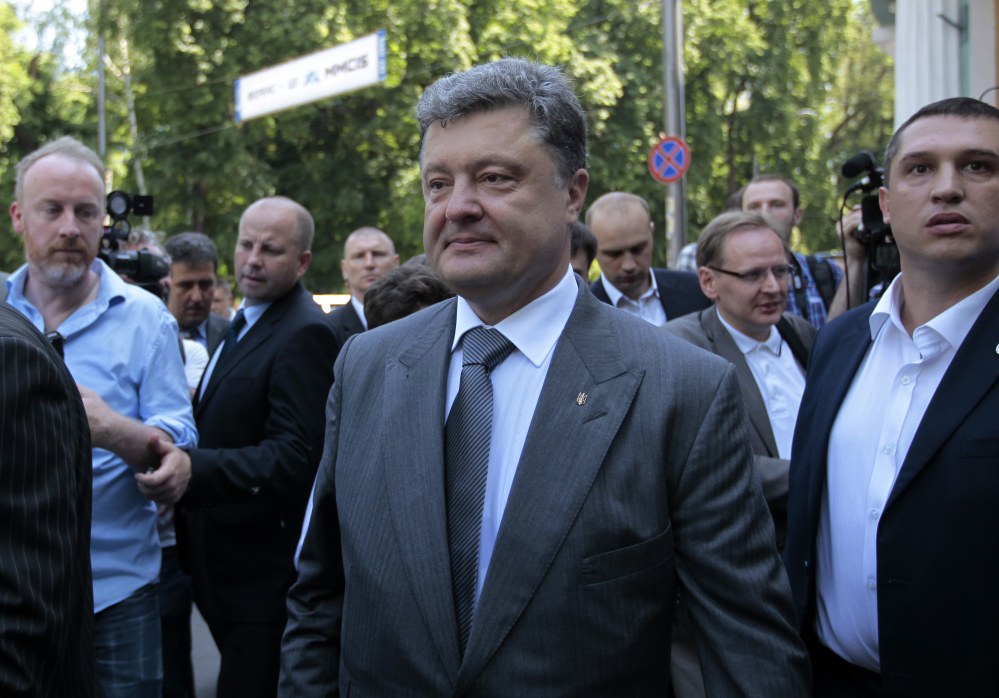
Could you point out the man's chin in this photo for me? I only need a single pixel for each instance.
(59, 275)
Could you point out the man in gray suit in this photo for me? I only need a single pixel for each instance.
(517, 482)
(743, 266)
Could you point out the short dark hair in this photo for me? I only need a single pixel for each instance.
(556, 117)
(795, 194)
(582, 238)
(192, 249)
(711, 242)
(402, 292)
(961, 107)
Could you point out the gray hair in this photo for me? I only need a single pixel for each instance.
(961, 107)
(557, 119)
(67, 147)
(711, 242)
(192, 249)
(618, 203)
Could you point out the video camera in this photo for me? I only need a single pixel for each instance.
(142, 266)
(882, 254)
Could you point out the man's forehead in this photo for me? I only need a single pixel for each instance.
(770, 189)
(182, 268)
(948, 132)
(373, 240)
(52, 168)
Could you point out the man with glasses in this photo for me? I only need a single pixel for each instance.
(743, 267)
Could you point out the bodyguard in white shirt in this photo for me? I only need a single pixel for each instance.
(892, 545)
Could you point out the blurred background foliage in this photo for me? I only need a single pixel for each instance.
(783, 86)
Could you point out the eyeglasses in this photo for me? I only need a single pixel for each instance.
(758, 276)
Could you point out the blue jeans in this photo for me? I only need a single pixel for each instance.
(127, 636)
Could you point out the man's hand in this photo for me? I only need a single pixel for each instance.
(166, 484)
(855, 250)
(101, 418)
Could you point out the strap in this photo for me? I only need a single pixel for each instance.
(823, 276)
(793, 341)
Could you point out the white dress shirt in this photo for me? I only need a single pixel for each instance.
(251, 313)
(202, 331)
(359, 309)
(867, 446)
(778, 376)
(517, 381)
(649, 307)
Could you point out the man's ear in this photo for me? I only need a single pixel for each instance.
(17, 218)
(798, 216)
(883, 203)
(707, 279)
(577, 194)
(304, 259)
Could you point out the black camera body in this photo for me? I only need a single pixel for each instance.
(142, 266)
(882, 254)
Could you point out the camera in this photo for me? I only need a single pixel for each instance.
(882, 254)
(142, 266)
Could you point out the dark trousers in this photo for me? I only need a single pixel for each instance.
(834, 677)
(175, 624)
(250, 657)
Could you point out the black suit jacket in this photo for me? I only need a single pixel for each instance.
(46, 590)
(938, 536)
(679, 292)
(217, 326)
(345, 323)
(260, 421)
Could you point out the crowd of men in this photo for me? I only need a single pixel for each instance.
(485, 476)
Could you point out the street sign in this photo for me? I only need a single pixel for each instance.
(334, 71)
(669, 159)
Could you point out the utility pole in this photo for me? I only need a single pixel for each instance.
(676, 193)
(102, 140)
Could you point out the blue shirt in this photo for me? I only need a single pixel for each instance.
(816, 312)
(123, 346)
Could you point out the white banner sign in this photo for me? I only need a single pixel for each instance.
(310, 78)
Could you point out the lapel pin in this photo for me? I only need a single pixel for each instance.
(581, 399)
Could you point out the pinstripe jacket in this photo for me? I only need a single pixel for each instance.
(46, 592)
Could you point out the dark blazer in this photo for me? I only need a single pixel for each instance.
(46, 589)
(643, 487)
(938, 536)
(705, 330)
(345, 323)
(217, 326)
(679, 292)
(260, 423)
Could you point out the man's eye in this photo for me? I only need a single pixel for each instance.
(976, 166)
(919, 169)
(754, 275)
(493, 178)
(435, 185)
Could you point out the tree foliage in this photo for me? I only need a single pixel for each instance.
(782, 86)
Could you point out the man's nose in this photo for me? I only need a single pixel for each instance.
(463, 204)
(947, 185)
(770, 283)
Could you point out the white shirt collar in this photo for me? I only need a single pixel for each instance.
(359, 309)
(535, 328)
(747, 344)
(615, 295)
(252, 313)
(953, 324)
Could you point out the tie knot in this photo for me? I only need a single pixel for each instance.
(192, 333)
(486, 347)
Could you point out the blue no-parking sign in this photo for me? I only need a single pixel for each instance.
(669, 159)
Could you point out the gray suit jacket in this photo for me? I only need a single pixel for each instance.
(705, 330)
(645, 488)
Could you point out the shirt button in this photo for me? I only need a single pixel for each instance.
(905, 380)
(875, 513)
(871, 584)
(888, 448)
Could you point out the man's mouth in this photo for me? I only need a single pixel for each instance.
(949, 222)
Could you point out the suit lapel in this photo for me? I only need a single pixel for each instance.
(832, 378)
(415, 393)
(254, 337)
(726, 348)
(972, 373)
(665, 284)
(565, 446)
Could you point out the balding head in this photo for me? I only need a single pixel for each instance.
(623, 228)
(368, 254)
(272, 251)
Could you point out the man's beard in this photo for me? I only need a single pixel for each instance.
(64, 273)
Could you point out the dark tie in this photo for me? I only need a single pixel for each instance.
(232, 335)
(192, 333)
(466, 459)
